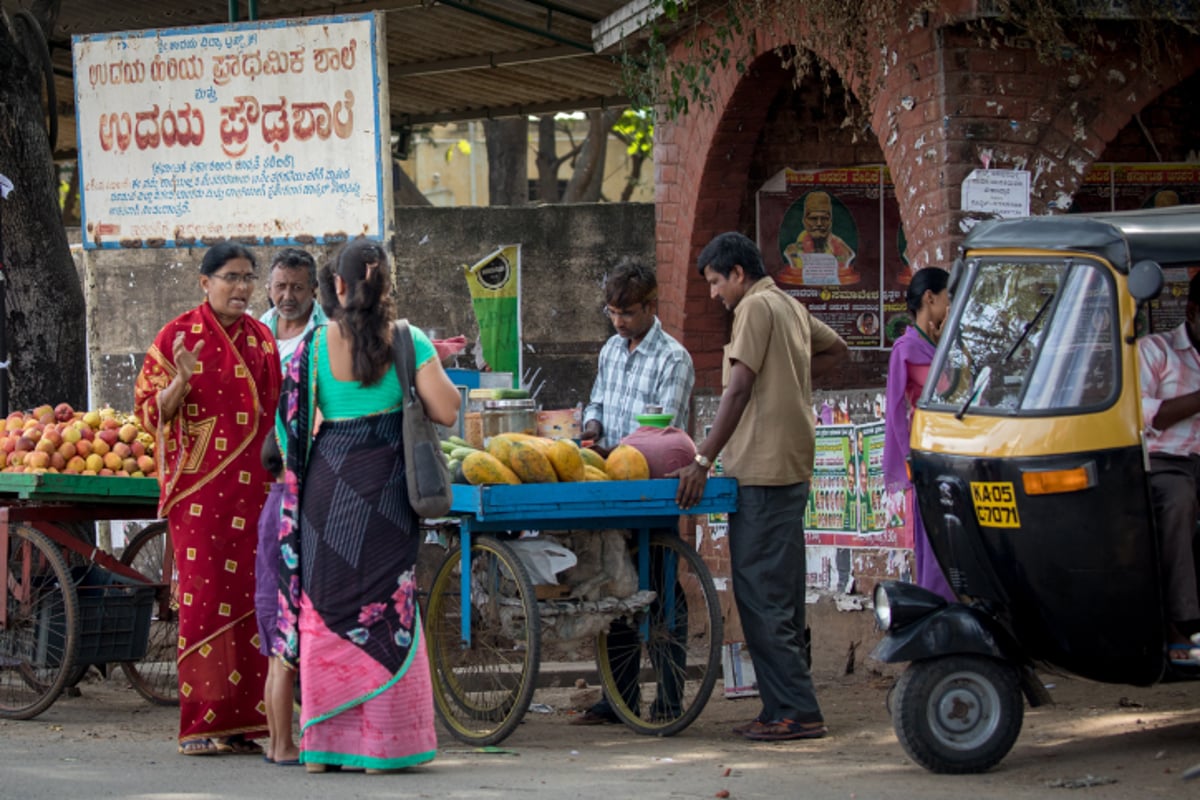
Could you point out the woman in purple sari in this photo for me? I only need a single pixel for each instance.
(928, 300)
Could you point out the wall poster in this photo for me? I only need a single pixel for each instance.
(832, 239)
(268, 132)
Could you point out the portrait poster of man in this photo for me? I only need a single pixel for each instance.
(821, 234)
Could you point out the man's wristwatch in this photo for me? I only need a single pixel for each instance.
(703, 461)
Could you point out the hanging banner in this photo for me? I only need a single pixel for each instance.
(495, 284)
(269, 132)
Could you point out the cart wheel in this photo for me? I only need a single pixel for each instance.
(482, 691)
(665, 658)
(155, 676)
(958, 714)
(38, 645)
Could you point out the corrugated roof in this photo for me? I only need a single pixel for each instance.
(447, 60)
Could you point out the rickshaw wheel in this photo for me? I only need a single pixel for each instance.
(482, 691)
(155, 676)
(670, 650)
(38, 645)
(958, 714)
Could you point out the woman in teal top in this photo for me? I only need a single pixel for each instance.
(348, 536)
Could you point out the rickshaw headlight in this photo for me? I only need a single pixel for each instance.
(883, 608)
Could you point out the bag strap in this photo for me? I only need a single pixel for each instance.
(405, 357)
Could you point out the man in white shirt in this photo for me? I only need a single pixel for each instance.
(292, 288)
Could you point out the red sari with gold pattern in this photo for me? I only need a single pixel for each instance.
(212, 489)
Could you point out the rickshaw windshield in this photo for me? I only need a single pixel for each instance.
(1047, 328)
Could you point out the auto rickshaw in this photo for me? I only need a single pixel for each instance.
(1031, 478)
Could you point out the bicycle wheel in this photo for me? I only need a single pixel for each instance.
(155, 676)
(38, 645)
(482, 691)
(658, 668)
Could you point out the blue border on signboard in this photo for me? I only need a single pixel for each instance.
(239, 27)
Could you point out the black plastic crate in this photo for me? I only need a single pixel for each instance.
(114, 617)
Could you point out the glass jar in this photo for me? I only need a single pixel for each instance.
(508, 416)
(473, 419)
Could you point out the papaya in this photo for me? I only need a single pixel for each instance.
(530, 465)
(480, 468)
(627, 463)
(591, 458)
(590, 473)
(564, 457)
(499, 447)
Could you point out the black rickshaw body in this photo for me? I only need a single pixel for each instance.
(1028, 458)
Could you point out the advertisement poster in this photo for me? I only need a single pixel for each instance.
(495, 284)
(872, 513)
(1126, 187)
(832, 240)
(268, 132)
(832, 513)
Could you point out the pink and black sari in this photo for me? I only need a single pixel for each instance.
(213, 487)
(348, 615)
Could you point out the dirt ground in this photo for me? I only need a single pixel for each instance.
(1102, 741)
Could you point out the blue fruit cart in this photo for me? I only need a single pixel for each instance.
(658, 658)
(68, 604)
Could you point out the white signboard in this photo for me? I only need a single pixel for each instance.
(1003, 192)
(265, 132)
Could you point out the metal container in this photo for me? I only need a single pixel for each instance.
(509, 416)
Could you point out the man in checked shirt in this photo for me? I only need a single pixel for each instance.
(640, 366)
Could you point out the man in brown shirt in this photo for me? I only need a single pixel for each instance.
(764, 428)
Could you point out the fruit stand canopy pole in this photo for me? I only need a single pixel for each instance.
(6, 186)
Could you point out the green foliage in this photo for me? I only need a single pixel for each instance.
(635, 127)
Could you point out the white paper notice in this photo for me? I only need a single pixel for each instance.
(820, 269)
(1003, 192)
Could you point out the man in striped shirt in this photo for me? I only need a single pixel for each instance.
(639, 366)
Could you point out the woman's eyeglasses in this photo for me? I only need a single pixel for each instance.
(234, 278)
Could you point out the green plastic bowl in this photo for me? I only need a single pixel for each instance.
(655, 420)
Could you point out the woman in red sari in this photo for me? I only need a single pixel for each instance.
(208, 390)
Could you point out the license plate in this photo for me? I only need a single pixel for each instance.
(995, 505)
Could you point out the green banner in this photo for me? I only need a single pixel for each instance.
(495, 284)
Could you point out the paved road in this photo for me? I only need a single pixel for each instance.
(109, 743)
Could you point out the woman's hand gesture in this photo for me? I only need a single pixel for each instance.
(185, 360)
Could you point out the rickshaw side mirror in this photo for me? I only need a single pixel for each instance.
(1145, 281)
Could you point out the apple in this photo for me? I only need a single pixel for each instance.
(25, 444)
(45, 446)
(67, 451)
(146, 464)
(128, 432)
(16, 459)
(57, 462)
(83, 448)
(113, 461)
(42, 410)
(92, 419)
(76, 464)
(129, 465)
(107, 471)
(71, 434)
(110, 423)
(108, 436)
(137, 449)
(95, 463)
(63, 412)
(15, 421)
(122, 449)
(100, 447)
(37, 459)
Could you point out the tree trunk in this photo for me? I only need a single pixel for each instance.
(637, 161)
(588, 177)
(508, 161)
(44, 317)
(547, 159)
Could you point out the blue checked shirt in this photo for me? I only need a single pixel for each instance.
(657, 373)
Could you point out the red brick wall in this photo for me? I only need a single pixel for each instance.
(947, 102)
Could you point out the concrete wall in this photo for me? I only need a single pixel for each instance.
(566, 252)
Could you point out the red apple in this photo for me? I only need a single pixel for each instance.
(64, 412)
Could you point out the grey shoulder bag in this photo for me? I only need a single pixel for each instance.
(429, 489)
